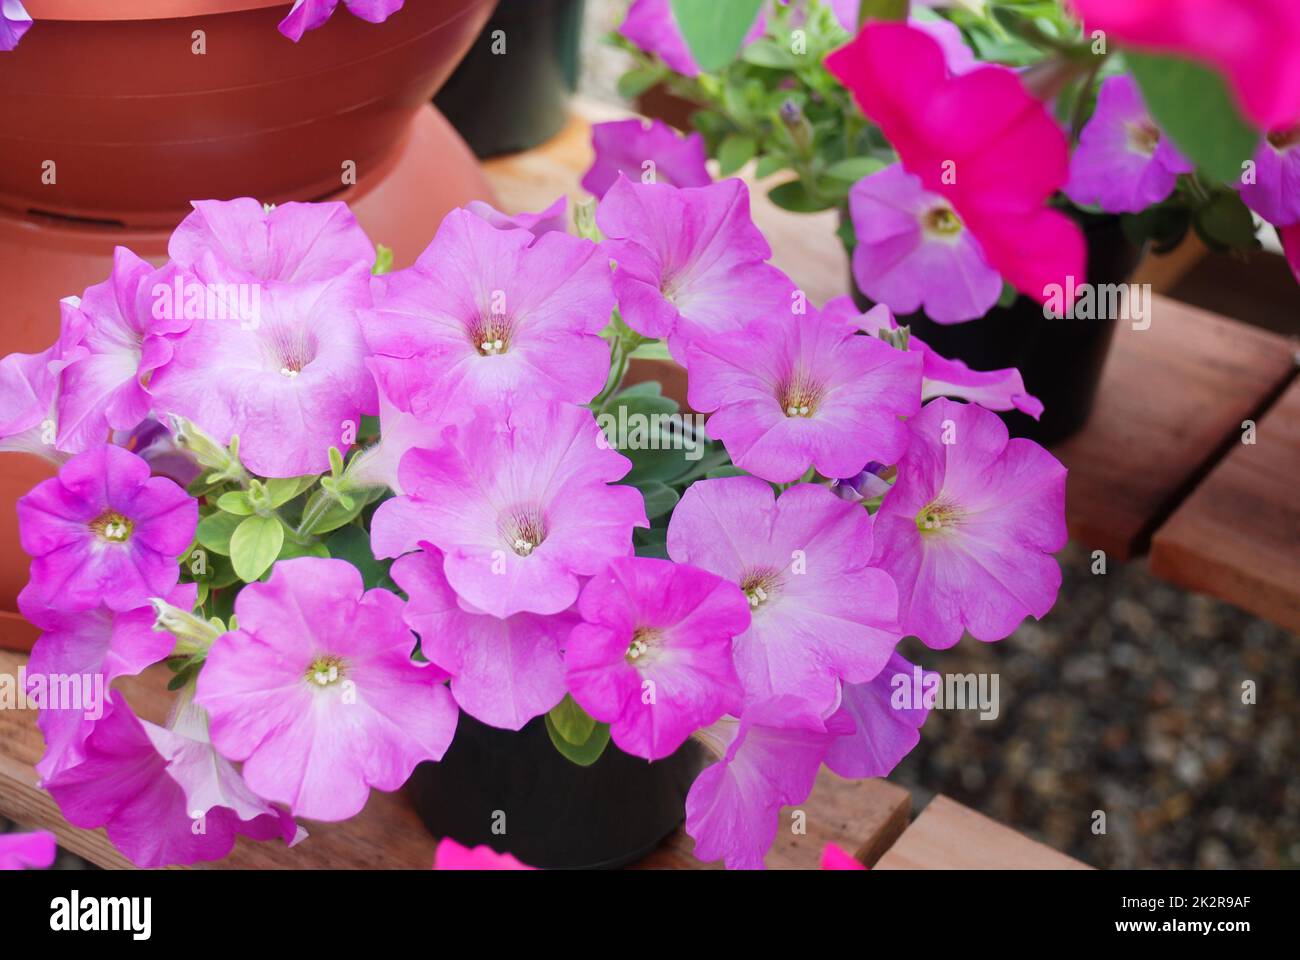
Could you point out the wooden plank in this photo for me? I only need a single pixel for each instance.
(865, 816)
(1170, 399)
(949, 836)
(1237, 536)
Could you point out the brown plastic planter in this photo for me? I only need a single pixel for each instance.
(137, 125)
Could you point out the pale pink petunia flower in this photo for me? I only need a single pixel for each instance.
(820, 613)
(1274, 190)
(317, 692)
(14, 22)
(521, 504)
(969, 530)
(554, 219)
(652, 657)
(648, 151)
(309, 14)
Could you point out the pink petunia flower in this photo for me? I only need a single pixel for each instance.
(652, 657)
(123, 334)
(1123, 163)
(103, 530)
(164, 796)
(836, 858)
(23, 851)
(504, 670)
(309, 14)
(554, 219)
(792, 392)
(969, 529)
(155, 444)
(288, 377)
(522, 505)
(914, 252)
(647, 151)
(451, 855)
(690, 261)
(1252, 43)
(769, 758)
(29, 395)
(97, 646)
(14, 22)
(317, 694)
(1275, 191)
(819, 612)
(289, 243)
(979, 140)
(503, 312)
(887, 725)
(940, 377)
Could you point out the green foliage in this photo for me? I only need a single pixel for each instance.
(255, 545)
(714, 31)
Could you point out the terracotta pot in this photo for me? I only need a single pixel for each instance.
(137, 126)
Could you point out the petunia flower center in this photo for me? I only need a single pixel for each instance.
(760, 585)
(291, 350)
(942, 221)
(490, 334)
(939, 515)
(326, 671)
(1143, 137)
(1284, 140)
(111, 527)
(799, 394)
(524, 529)
(645, 640)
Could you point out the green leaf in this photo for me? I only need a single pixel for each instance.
(766, 52)
(730, 470)
(1008, 295)
(882, 10)
(654, 350)
(659, 498)
(255, 545)
(215, 531)
(652, 542)
(586, 754)
(571, 722)
(1226, 222)
(636, 82)
(854, 168)
(793, 196)
(1191, 104)
(336, 514)
(236, 502)
(282, 491)
(383, 261)
(767, 165)
(293, 549)
(734, 152)
(715, 30)
(352, 543)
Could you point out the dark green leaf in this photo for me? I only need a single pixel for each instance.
(1227, 222)
(714, 30)
(659, 498)
(215, 530)
(793, 196)
(636, 82)
(351, 543)
(854, 168)
(571, 722)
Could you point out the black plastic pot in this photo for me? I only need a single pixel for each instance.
(555, 814)
(511, 101)
(1060, 359)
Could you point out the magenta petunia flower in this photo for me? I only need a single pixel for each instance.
(504, 671)
(164, 796)
(652, 657)
(1290, 240)
(317, 694)
(96, 646)
(959, 57)
(650, 25)
(554, 219)
(690, 261)
(155, 444)
(23, 851)
(769, 758)
(886, 725)
(645, 151)
(123, 334)
(309, 14)
(29, 395)
(287, 377)
(1123, 163)
(836, 858)
(103, 530)
(794, 391)
(290, 243)
(979, 140)
(940, 377)
(969, 529)
(914, 252)
(1253, 44)
(521, 504)
(451, 855)
(1275, 191)
(503, 312)
(14, 22)
(820, 613)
